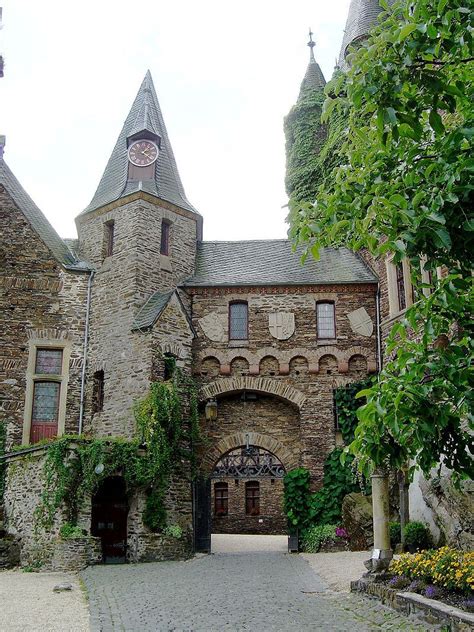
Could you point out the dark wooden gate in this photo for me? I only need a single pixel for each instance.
(202, 514)
(109, 519)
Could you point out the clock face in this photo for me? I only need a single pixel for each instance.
(142, 153)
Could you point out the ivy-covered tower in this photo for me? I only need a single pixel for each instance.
(305, 134)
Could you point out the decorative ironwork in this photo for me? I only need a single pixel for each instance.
(249, 462)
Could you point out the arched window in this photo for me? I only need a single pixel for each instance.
(221, 499)
(252, 498)
(238, 321)
(326, 320)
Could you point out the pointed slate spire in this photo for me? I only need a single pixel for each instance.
(314, 78)
(144, 116)
(362, 16)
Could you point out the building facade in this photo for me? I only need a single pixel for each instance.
(90, 323)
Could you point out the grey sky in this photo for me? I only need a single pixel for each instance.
(225, 74)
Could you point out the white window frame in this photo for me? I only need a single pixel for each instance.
(392, 286)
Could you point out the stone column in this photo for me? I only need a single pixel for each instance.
(382, 553)
(403, 485)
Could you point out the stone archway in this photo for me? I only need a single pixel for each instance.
(277, 388)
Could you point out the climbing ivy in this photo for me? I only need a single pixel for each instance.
(167, 434)
(347, 406)
(3, 439)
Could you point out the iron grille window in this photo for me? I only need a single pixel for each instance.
(109, 238)
(402, 303)
(221, 499)
(326, 321)
(98, 392)
(238, 321)
(252, 498)
(165, 238)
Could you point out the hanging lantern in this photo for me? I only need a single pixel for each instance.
(211, 410)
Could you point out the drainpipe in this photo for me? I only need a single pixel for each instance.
(84, 354)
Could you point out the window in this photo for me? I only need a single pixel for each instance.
(46, 394)
(109, 238)
(238, 321)
(252, 498)
(402, 301)
(98, 392)
(165, 238)
(326, 321)
(221, 499)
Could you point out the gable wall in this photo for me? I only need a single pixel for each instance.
(38, 298)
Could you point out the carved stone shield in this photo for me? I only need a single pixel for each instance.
(214, 325)
(281, 324)
(361, 323)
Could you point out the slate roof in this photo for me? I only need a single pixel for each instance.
(362, 16)
(145, 114)
(313, 79)
(273, 262)
(38, 221)
(152, 309)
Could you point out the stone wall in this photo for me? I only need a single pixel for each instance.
(122, 284)
(301, 369)
(271, 519)
(39, 299)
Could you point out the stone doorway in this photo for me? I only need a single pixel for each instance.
(109, 519)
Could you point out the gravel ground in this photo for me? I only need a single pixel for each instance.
(28, 603)
(338, 569)
(223, 543)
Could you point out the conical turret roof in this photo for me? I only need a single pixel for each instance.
(314, 78)
(362, 16)
(145, 115)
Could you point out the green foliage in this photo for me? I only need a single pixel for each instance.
(296, 498)
(346, 407)
(339, 480)
(3, 439)
(168, 432)
(404, 186)
(70, 531)
(314, 537)
(395, 534)
(417, 535)
(173, 531)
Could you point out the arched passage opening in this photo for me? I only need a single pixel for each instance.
(109, 519)
(247, 492)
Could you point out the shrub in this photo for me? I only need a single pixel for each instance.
(173, 531)
(314, 537)
(399, 581)
(395, 534)
(417, 535)
(296, 498)
(70, 531)
(445, 568)
(433, 592)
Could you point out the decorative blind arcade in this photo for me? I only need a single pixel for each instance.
(249, 462)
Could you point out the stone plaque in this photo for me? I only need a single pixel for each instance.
(281, 324)
(214, 325)
(361, 323)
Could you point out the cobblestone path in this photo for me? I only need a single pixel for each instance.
(229, 591)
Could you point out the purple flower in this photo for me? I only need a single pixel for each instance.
(341, 532)
(468, 605)
(432, 592)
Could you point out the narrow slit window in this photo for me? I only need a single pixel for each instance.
(221, 499)
(109, 228)
(326, 320)
(98, 392)
(238, 321)
(165, 238)
(402, 302)
(252, 498)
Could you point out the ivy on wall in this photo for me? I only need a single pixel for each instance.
(167, 434)
(3, 439)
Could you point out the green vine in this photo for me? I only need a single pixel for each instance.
(3, 440)
(167, 432)
(347, 406)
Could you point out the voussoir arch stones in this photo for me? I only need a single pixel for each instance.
(289, 460)
(257, 384)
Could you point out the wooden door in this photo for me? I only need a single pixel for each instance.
(109, 519)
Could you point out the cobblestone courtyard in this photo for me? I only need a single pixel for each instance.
(251, 590)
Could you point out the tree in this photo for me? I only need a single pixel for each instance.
(404, 186)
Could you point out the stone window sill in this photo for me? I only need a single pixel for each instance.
(326, 341)
(238, 343)
(165, 263)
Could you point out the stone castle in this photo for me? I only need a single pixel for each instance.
(90, 323)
